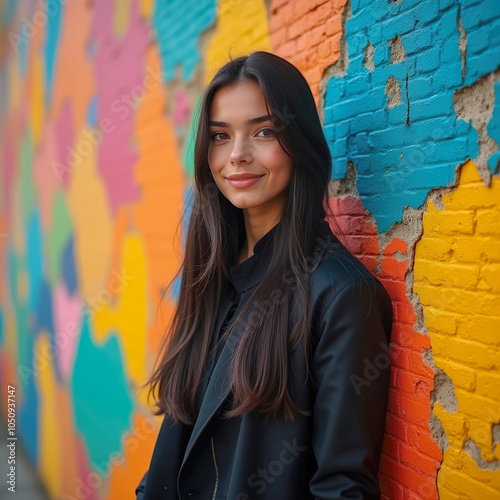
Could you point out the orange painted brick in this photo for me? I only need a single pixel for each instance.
(395, 245)
(410, 455)
(404, 312)
(404, 335)
(423, 440)
(404, 475)
(393, 267)
(390, 446)
(413, 409)
(396, 288)
(409, 382)
(397, 427)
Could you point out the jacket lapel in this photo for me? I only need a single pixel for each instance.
(218, 386)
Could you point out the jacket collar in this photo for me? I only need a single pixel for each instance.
(251, 271)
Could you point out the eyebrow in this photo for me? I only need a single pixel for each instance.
(258, 119)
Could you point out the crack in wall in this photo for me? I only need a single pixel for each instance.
(339, 67)
(462, 42)
(475, 104)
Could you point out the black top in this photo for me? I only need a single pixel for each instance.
(243, 277)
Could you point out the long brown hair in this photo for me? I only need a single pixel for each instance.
(207, 257)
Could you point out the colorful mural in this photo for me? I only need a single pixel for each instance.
(97, 107)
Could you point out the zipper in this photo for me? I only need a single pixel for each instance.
(216, 470)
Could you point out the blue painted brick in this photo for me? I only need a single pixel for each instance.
(447, 26)
(427, 177)
(478, 40)
(446, 4)
(421, 87)
(416, 41)
(370, 184)
(494, 163)
(399, 25)
(339, 148)
(488, 10)
(437, 105)
(428, 11)
(482, 65)
(339, 168)
(397, 115)
(428, 60)
(383, 139)
(470, 18)
(375, 34)
(448, 77)
(357, 85)
(450, 51)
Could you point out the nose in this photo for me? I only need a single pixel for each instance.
(240, 153)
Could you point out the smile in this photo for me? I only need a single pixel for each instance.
(244, 183)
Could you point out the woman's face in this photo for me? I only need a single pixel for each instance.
(242, 141)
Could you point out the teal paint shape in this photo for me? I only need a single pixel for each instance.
(102, 404)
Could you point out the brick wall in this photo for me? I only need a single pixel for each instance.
(96, 161)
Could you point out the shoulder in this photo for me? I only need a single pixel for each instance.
(337, 270)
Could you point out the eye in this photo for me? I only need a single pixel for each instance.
(214, 136)
(269, 130)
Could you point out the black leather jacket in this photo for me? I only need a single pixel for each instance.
(332, 454)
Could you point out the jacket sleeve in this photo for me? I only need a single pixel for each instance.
(351, 366)
(139, 491)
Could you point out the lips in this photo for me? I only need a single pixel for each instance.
(241, 177)
(243, 181)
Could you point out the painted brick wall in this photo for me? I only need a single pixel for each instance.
(96, 164)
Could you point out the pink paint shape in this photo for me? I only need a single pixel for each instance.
(182, 108)
(121, 81)
(67, 322)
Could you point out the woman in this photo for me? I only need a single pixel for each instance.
(275, 377)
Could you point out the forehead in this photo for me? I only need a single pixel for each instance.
(244, 99)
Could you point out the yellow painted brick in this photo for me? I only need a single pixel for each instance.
(481, 328)
(476, 196)
(480, 432)
(461, 376)
(437, 320)
(434, 248)
(490, 479)
(488, 221)
(475, 405)
(479, 249)
(454, 456)
(488, 384)
(491, 274)
(467, 352)
(439, 223)
(462, 483)
(455, 424)
(446, 274)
